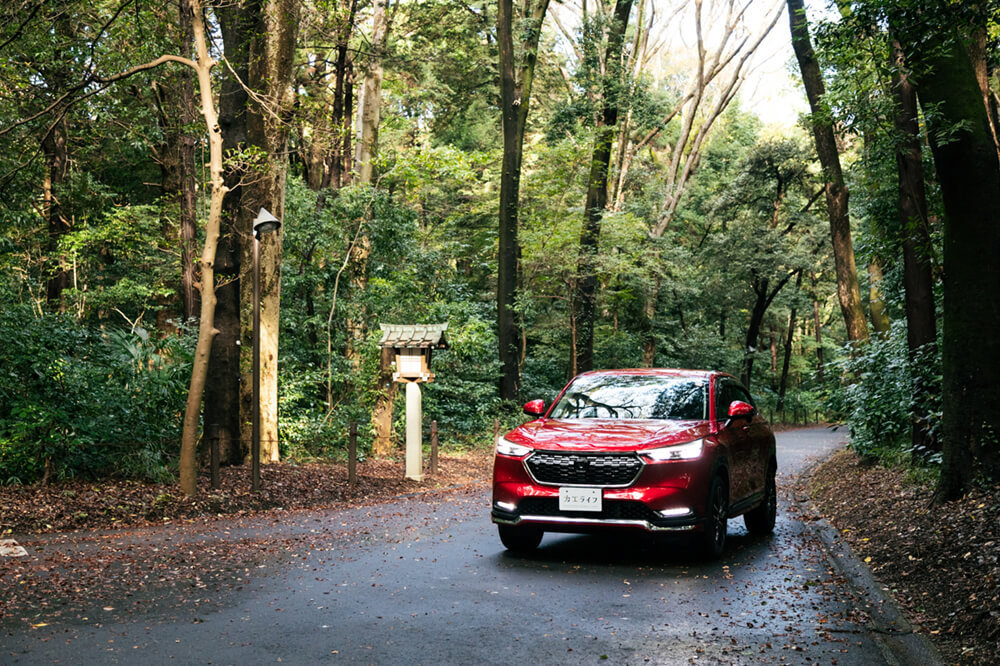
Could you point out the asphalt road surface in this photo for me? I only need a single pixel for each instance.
(423, 581)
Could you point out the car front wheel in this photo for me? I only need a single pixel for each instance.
(761, 519)
(713, 539)
(520, 539)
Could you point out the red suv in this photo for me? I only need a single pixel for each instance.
(654, 450)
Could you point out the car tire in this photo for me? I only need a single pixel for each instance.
(713, 537)
(520, 539)
(760, 520)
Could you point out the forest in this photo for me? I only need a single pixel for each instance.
(569, 186)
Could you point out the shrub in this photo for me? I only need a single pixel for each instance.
(80, 401)
(876, 397)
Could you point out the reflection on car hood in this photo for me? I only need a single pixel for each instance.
(606, 434)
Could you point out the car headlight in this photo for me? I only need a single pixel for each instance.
(507, 448)
(687, 451)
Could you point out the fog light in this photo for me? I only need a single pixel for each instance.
(506, 506)
(677, 512)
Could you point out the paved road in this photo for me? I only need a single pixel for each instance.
(416, 582)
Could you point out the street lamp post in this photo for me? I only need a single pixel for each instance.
(263, 224)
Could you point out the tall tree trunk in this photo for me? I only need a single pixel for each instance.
(188, 464)
(787, 360)
(176, 113)
(773, 342)
(818, 325)
(977, 47)
(751, 341)
(382, 412)
(341, 88)
(271, 57)
(188, 194)
(918, 280)
(969, 175)
(315, 151)
(370, 97)
(56, 152)
(761, 304)
(876, 301)
(515, 99)
(57, 168)
(510, 177)
(597, 190)
(652, 299)
(848, 291)
(365, 151)
(225, 417)
(347, 174)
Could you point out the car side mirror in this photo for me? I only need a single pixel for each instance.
(741, 410)
(535, 408)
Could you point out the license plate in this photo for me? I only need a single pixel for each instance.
(579, 499)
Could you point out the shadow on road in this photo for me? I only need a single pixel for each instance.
(635, 550)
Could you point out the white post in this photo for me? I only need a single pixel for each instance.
(414, 445)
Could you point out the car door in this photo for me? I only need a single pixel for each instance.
(736, 438)
(758, 444)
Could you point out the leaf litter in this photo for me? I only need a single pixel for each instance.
(941, 563)
(130, 543)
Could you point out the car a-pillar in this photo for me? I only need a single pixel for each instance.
(412, 345)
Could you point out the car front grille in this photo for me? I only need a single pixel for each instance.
(612, 510)
(584, 469)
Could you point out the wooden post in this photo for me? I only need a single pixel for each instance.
(414, 433)
(496, 431)
(352, 456)
(434, 448)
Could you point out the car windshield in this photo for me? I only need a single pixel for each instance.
(634, 397)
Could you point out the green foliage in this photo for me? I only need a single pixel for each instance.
(877, 393)
(76, 401)
(119, 264)
(442, 72)
(463, 397)
(89, 398)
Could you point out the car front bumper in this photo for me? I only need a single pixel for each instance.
(564, 523)
(520, 500)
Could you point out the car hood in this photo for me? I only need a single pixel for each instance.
(606, 434)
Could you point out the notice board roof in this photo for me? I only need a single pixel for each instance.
(414, 336)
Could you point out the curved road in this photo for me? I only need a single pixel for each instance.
(427, 582)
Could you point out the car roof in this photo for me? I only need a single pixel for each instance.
(657, 372)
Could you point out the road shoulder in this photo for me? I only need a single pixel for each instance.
(901, 641)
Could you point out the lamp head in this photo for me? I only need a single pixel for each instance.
(265, 223)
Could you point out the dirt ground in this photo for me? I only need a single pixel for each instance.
(941, 563)
(99, 558)
(81, 505)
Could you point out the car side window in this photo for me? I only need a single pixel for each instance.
(722, 399)
(740, 393)
(726, 392)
